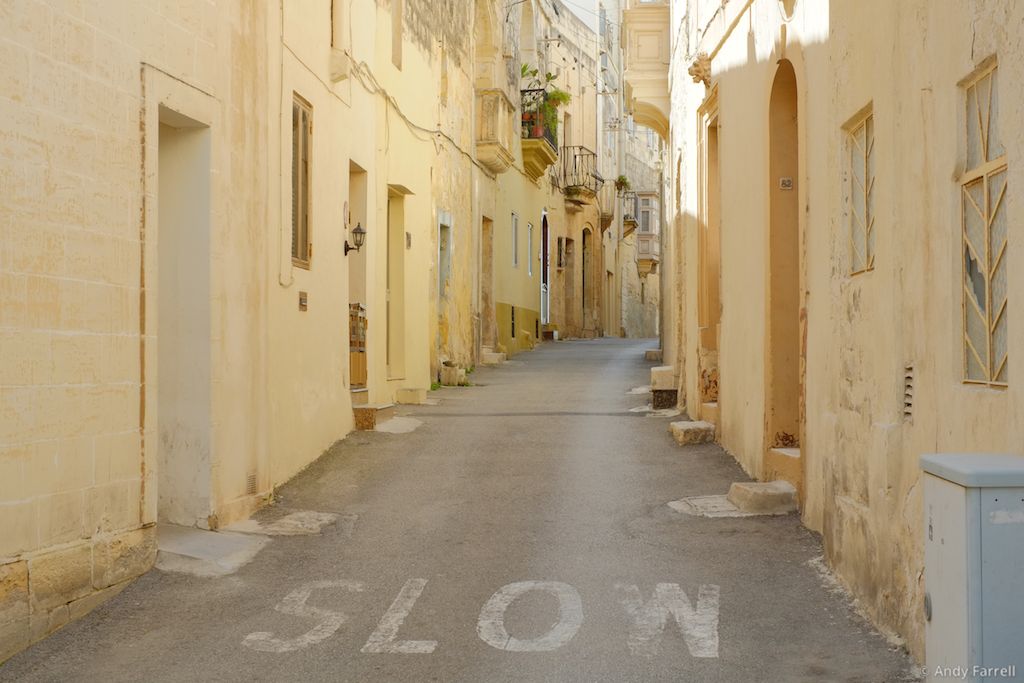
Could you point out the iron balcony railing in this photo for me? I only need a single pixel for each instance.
(536, 124)
(578, 171)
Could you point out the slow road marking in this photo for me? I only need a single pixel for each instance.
(646, 620)
(491, 625)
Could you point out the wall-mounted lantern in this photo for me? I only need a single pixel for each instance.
(358, 237)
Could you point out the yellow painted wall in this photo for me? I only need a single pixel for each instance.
(527, 323)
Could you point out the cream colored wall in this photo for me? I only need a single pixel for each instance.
(310, 406)
(639, 314)
(78, 445)
(860, 456)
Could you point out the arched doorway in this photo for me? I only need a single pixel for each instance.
(784, 387)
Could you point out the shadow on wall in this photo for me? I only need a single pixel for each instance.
(774, 285)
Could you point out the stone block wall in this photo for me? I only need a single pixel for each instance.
(77, 492)
(42, 591)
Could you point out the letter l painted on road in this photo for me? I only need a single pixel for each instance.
(383, 639)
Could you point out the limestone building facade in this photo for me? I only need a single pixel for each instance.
(843, 275)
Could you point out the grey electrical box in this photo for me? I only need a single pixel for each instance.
(974, 566)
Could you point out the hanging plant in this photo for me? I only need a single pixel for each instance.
(622, 184)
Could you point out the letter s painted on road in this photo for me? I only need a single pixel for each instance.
(295, 604)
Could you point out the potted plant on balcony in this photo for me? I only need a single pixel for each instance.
(556, 97)
(622, 185)
(543, 112)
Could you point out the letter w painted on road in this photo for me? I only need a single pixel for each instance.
(699, 626)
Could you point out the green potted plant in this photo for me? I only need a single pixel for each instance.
(543, 112)
(556, 97)
(622, 184)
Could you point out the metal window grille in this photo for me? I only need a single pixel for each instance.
(984, 235)
(861, 145)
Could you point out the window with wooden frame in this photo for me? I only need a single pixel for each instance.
(302, 134)
(984, 234)
(860, 145)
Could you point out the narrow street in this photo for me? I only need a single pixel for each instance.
(539, 472)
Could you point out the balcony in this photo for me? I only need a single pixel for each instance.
(495, 113)
(630, 212)
(648, 252)
(607, 199)
(539, 133)
(645, 28)
(578, 177)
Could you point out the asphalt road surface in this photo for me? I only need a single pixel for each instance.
(521, 533)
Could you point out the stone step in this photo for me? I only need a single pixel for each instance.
(664, 393)
(784, 463)
(663, 377)
(360, 396)
(652, 354)
(491, 358)
(709, 412)
(411, 396)
(369, 416)
(769, 497)
(452, 376)
(689, 432)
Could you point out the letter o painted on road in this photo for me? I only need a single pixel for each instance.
(491, 626)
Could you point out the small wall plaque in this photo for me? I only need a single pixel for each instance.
(303, 301)
(785, 183)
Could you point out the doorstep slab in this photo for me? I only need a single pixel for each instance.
(692, 432)
(399, 425)
(767, 497)
(714, 507)
(188, 550)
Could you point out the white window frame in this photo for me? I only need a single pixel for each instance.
(529, 249)
(515, 240)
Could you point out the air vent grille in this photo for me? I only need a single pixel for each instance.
(908, 393)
